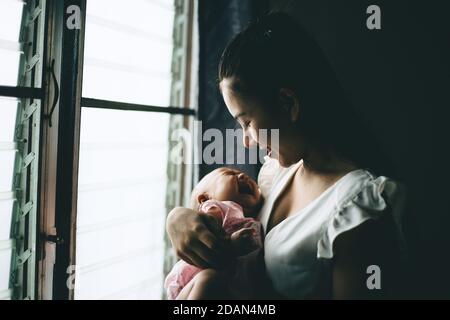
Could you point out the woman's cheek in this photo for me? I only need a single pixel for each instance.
(253, 135)
(250, 138)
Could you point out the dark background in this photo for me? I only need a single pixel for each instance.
(398, 78)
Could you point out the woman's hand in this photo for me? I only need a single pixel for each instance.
(197, 238)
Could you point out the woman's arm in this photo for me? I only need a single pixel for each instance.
(356, 250)
(197, 238)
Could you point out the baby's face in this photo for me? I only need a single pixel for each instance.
(226, 184)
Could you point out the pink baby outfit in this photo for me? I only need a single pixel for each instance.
(233, 220)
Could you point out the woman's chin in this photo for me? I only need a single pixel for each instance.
(284, 162)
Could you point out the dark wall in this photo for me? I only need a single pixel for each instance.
(399, 79)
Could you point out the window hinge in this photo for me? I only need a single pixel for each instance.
(27, 208)
(35, 14)
(30, 110)
(24, 257)
(28, 159)
(32, 62)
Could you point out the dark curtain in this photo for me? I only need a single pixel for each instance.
(219, 21)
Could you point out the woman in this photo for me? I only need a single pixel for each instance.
(328, 222)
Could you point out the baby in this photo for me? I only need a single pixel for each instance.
(232, 198)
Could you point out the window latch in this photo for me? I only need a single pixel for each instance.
(54, 238)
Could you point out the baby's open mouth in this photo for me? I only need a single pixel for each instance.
(244, 187)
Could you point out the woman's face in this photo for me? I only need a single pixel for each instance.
(253, 116)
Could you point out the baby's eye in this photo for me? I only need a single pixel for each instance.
(231, 173)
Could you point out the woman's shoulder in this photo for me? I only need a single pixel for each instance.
(363, 188)
(361, 196)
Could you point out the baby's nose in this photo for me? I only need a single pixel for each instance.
(242, 176)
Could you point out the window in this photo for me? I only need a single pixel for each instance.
(8, 110)
(121, 204)
(128, 51)
(102, 169)
(21, 48)
(130, 105)
(10, 47)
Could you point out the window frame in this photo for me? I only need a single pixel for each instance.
(60, 147)
(30, 93)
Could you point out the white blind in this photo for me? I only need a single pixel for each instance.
(128, 51)
(121, 204)
(10, 19)
(123, 154)
(10, 48)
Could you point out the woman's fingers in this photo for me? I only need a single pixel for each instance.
(196, 260)
(186, 258)
(214, 244)
(198, 238)
(212, 224)
(188, 252)
(217, 259)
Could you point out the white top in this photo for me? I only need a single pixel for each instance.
(297, 251)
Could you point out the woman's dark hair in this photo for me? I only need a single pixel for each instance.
(276, 52)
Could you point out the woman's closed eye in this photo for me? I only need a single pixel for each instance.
(244, 124)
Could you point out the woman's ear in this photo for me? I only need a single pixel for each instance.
(289, 101)
(202, 197)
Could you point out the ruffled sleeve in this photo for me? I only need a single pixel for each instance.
(368, 201)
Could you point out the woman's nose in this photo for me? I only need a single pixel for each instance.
(248, 141)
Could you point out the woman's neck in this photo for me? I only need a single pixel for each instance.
(325, 163)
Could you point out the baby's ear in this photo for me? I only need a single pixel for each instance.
(202, 197)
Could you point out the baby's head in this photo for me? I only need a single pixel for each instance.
(227, 184)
